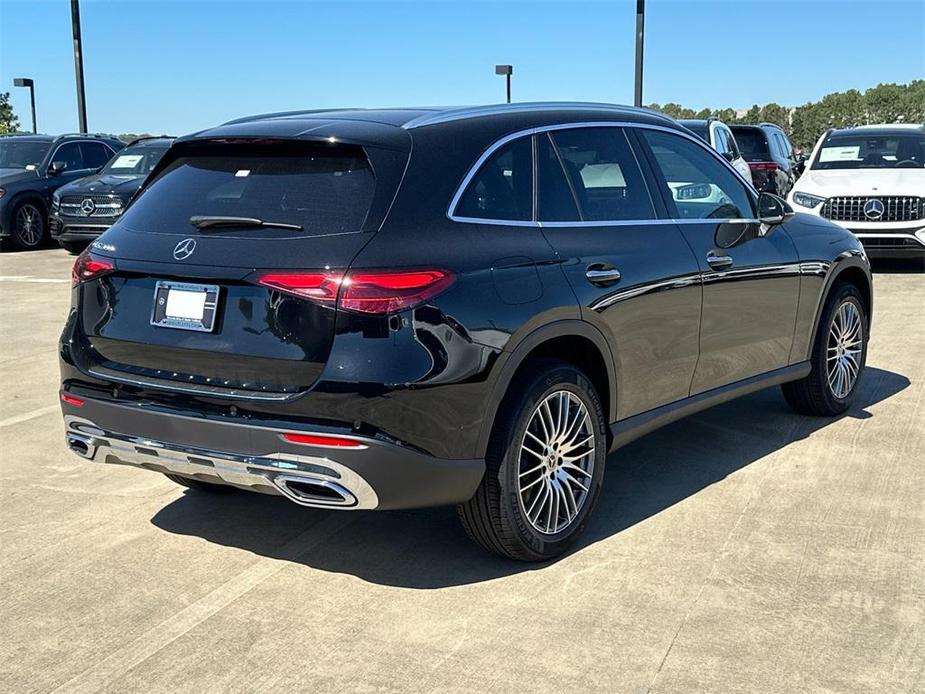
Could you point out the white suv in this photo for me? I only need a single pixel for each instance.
(720, 138)
(871, 180)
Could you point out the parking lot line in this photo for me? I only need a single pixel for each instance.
(26, 416)
(35, 280)
(148, 644)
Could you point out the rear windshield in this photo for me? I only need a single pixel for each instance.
(752, 143)
(872, 151)
(135, 161)
(702, 130)
(325, 190)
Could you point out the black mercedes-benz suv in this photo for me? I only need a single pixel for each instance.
(84, 209)
(390, 309)
(32, 167)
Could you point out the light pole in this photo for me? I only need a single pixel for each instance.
(640, 31)
(79, 65)
(27, 82)
(506, 70)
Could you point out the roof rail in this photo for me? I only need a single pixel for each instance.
(283, 114)
(454, 114)
(149, 137)
(109, 135)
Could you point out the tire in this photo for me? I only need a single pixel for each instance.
(73, 247)
(822, 393)
(198, 485)
(517, 524)
(28, 225)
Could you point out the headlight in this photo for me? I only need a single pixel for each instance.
(807, 200)
(55, 202)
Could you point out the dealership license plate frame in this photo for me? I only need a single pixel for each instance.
(187, 293)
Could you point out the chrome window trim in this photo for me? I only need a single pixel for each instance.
(529, 132)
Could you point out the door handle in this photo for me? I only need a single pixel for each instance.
(602, 274)
(718, 261)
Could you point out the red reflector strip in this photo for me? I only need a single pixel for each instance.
(71, 400)
(319, 440)
(762, 166)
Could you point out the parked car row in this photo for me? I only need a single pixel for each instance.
(70, 187)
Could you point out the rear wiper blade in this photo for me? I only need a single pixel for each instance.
(216, 222)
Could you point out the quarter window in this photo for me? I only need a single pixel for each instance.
(700, 186)
(503, 187)
(603, 173)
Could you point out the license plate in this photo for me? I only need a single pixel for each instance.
(185, 306)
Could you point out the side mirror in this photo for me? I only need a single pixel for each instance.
(56, 167)
(728, 156)
(772, 211)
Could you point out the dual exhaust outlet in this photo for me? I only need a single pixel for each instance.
(303, 490)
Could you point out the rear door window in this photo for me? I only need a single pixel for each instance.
(95, 154)
(502, 188)
(604, 174)
(325, 190)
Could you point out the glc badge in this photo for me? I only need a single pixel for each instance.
(184, 249)
(874, 209)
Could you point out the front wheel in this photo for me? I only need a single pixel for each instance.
(28, 230)
(838, 358)
(544, 466)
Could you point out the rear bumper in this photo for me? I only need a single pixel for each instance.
(375, 475)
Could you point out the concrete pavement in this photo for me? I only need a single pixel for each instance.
(744, 549)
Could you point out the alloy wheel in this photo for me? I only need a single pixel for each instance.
(843, 353)
(556, 462)
(29, 226)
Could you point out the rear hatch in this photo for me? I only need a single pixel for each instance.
(753, 144)
(184, 309)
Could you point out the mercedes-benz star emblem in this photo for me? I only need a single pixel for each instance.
(874, 209)
(184, 249)
(87, 206)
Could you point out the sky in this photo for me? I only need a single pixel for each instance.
(178, 66)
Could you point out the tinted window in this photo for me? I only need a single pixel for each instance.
(603, 172)
(752, 143)
(18, 154)
(698, 127)
(326, 191)
(135, 161)
(722, 143)
(556, 201)
(733, 145)
(70, 154)
(701, 187)
(871, 151)
(95, 154)
(503, 186)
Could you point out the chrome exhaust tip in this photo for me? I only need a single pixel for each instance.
(84, 446)
(312, 491)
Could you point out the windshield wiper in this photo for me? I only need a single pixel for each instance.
(205, 222)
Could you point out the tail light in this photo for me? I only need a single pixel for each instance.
(763, 166)
(319, 440)
(376, 292)
(88, 267)
(72, 400)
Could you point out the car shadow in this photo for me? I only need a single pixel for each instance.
(427, 548)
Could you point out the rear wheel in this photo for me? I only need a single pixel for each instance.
(198, 485)
(838, 358)
(544, 466)
(28, 230)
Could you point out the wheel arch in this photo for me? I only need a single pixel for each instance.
(574, 341)
(851, 268)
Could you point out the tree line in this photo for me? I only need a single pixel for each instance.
(885, 103)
